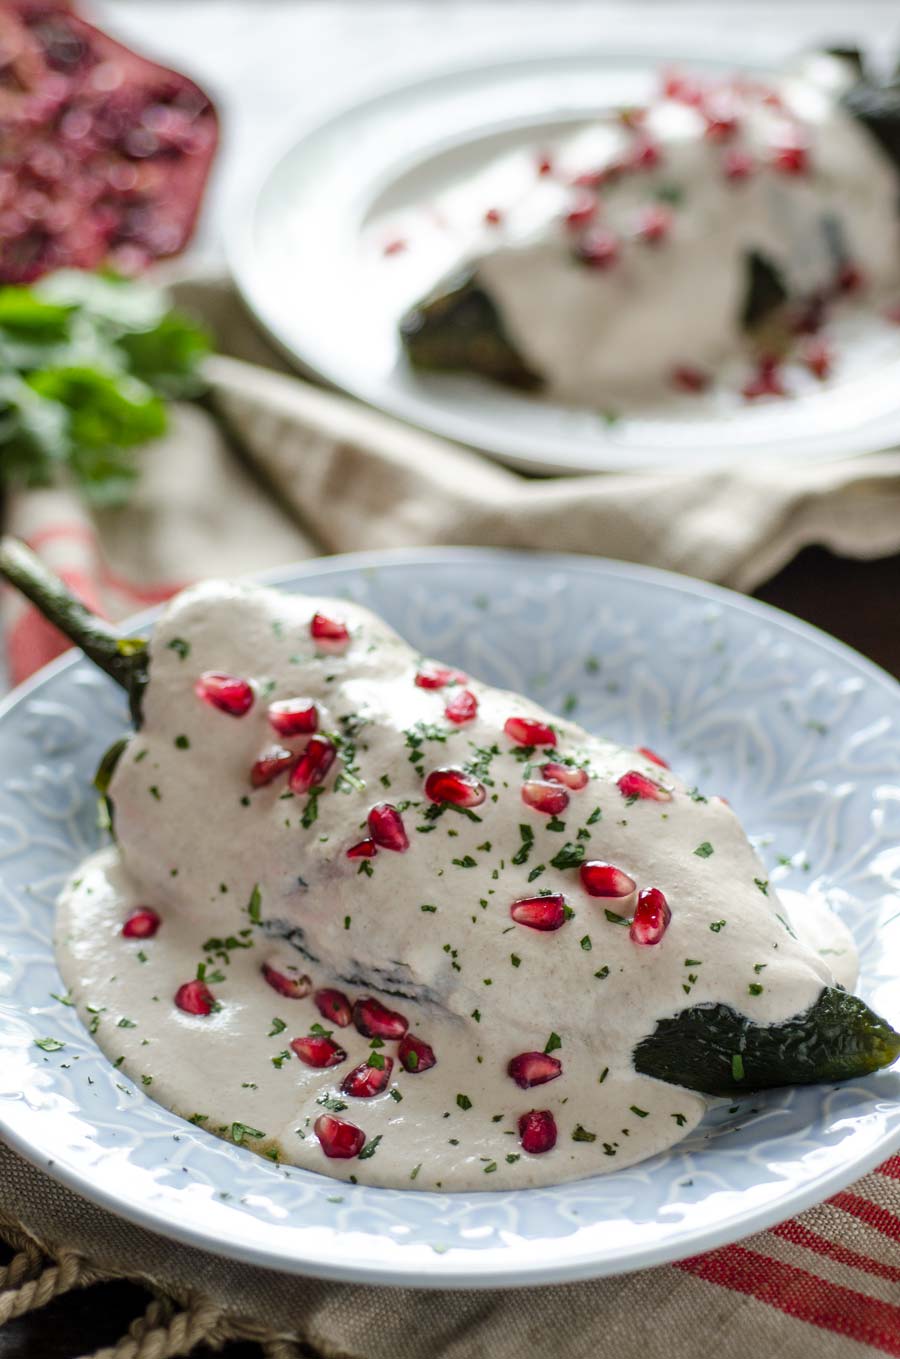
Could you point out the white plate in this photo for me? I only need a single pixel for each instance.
(308, 258)
(799, 733)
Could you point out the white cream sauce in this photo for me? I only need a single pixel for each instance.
(194, 840)
(613, 337)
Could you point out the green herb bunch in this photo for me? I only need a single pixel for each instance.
(87, 362)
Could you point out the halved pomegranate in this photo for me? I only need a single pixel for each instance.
(229, 693)
(294, 716)
(534, 1068)
(537, 1131)
(375, 1020)
(365, 1081)
(540, 913)
(142, 923)
(333, 1005)
(106, 154)
(454, 786)
(318, 1051)
(195, 998)
(339, 1139)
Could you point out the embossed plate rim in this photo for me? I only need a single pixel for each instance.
(387, 1260)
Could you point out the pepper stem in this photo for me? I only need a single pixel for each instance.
(123, 658)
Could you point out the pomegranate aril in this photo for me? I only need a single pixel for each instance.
(366, 1081)
(818, 358)
(526, 731)
(386, 828)
(540, 913)
(294, 717)
(687, 379)
(545, 165)
(313, 764)
(651, 917)
(228, 693)
(575, 779)
(364, 849)
(682, 88)
(142, 923)
(333, 1005)
(463, 707)
(737, 166)
(415, 1055)
(582, 212)
(850, 278)
(286, 978)
(605, 880)
(493, 217)
(654, 224)
(645, 155)
(195, 998)
(791, 159)
(548, 798)
(318, 1051)
(454, 786)
(598, 249)
(328, 633)
(432, 676)
(374, 1020)
(537, 1131)
(339, 1139)
(274, 761)
(394, 247)
(638, 785)
(651, 755)
(767, 381)
(534, 1068)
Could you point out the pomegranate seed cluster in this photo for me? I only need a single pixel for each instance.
(393, 923)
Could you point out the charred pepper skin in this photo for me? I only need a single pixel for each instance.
(713, 1049)
(458, 328)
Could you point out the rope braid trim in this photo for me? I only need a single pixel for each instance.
(170, 1328)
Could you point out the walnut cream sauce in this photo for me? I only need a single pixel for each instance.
(617, 254)
(262, 909)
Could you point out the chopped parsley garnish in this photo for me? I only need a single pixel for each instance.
(704, 851)
(582, 1135)
(254, 904)
(463, 1101)
(241, 1130)
(552, 1043)
(570, 856)
(49, 1044)
(181, 648)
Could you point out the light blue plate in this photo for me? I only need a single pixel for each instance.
(802, 736)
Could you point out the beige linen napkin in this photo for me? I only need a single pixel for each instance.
(301, 471)
(304, 471)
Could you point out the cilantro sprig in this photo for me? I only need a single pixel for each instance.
(87, 362)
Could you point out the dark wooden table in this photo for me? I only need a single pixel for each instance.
(855, 601)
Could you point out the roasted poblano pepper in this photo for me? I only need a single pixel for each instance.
(710, 1048)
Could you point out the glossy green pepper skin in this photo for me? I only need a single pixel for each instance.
(458, 328)
(713, 1049)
